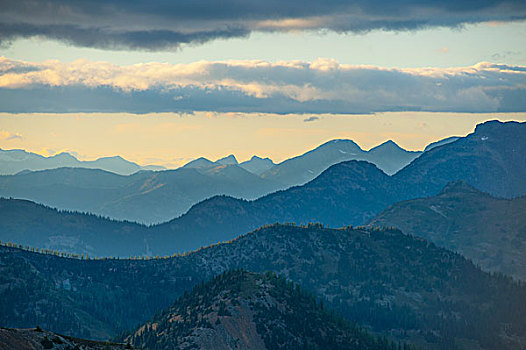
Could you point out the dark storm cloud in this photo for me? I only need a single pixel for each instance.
(158, 24)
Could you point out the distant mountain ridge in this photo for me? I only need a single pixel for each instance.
(16, 160)
(348, 193)
(301, 169)
(152, 198)
(146, 196)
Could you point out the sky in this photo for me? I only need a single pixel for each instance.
(165, 82)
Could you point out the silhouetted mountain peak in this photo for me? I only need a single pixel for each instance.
(357, 171)
(257, 165)
(256, 158)
(497, 127)
(199, 163)
(112, 158)
(228, 160)
(63, 156)
(387, 147)
(510, 134)
(342, 144)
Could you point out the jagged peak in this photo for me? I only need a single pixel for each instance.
(228, 160)
(257, 158)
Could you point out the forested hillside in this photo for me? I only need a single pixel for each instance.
(381, 278)
(245, 310)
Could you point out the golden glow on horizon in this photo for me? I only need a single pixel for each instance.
(171, 139)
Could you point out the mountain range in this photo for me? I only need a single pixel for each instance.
(152, 197)
(389, 157)
(16, 160)
(146, 196)
(490, 231)
(348, 193)
(390, 282)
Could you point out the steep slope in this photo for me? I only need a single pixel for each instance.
(16, 160)
(301, 169)
(492, 159)
(391, 282)
(37, 339)
(245, 310)
(488, 230)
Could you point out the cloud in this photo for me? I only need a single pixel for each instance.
(321, 86)
(310, 119)
(6, 135)
(158, 24)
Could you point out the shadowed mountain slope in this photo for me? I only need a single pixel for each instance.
(490, 231)
(381, 278)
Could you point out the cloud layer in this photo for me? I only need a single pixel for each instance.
(322, 86)
(159, 24)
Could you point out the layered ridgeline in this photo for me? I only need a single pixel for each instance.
(348, 193)
(146, 196)
(490, 231)
(17, 160)
(38, 339)
(153, 197)
(391, 282)
(389, 157)
(246, 310)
